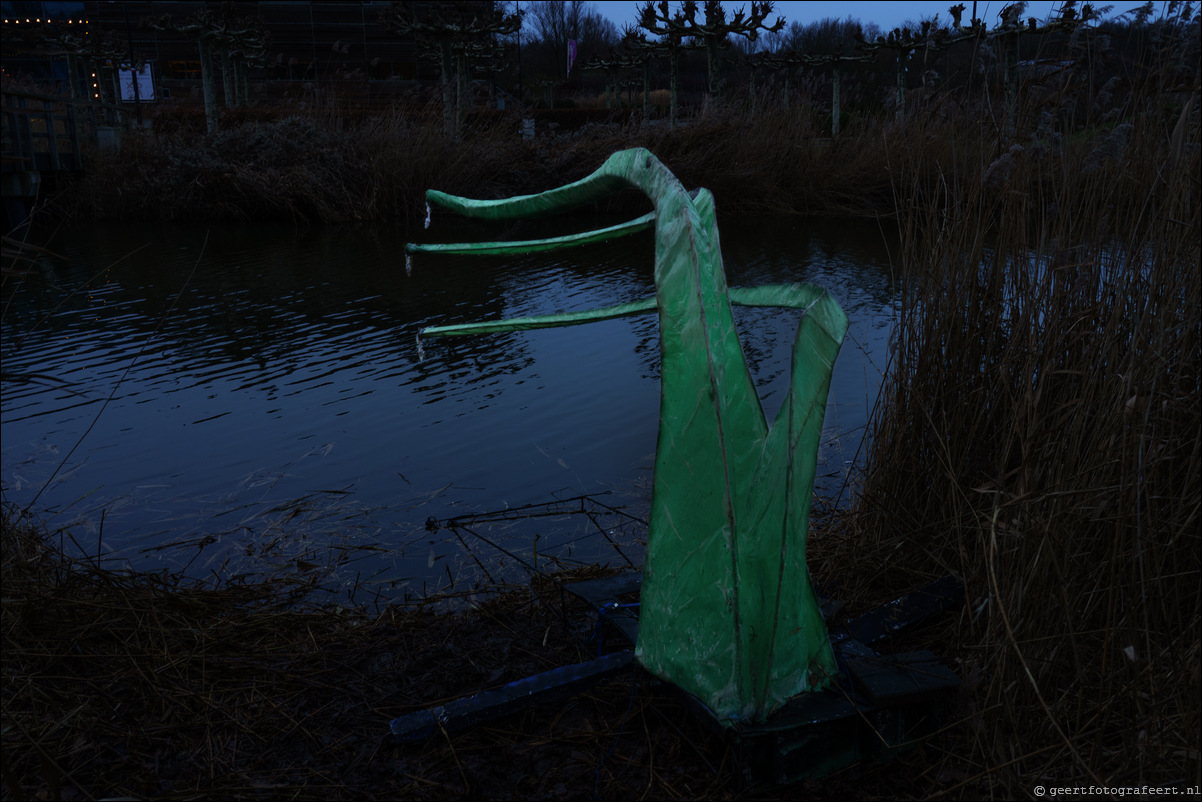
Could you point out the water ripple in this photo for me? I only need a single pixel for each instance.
(275, 364)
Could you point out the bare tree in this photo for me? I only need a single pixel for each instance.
(828, 35)
(554, 22)
(595, 31)
(549, 21)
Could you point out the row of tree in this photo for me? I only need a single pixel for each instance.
(668, 34)
(528, 46)
(929, 55)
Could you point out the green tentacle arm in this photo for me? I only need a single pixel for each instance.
(728, 611)
(790, 296)
(535, 245)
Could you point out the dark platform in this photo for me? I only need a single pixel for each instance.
(879, 704)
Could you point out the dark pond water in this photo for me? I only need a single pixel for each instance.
(244, 400)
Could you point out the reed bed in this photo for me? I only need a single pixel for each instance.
(328, 167)
(1039, 437)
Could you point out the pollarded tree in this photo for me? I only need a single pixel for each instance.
(476, 55)
(611, 67)
(929, 36)
(216, 34)
(716, 31)
(655, 18)
(203, 27)
(450, 26)
(836, 61)
(243, 47)
(1006, 37)
(787, 60)
(823, 43)
(247, 51)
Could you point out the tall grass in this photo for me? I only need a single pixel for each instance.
(1038, 436)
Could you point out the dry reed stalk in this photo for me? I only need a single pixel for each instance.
(1039, 437)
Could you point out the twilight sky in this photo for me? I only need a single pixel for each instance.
(887, 14)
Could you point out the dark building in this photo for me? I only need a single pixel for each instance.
(313, 46)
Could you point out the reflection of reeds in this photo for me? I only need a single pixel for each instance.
(1039, 436)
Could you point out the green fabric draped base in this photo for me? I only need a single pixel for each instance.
(728, 611)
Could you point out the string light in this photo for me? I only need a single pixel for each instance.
(48, 21)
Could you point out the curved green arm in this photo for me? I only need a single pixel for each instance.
(587, 190)
(728, 612)
(544, 321)
(792, 296)
(535, 245)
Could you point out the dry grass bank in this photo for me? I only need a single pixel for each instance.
(141, 686)
(145, 686)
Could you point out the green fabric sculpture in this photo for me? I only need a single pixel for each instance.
(728, 612)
